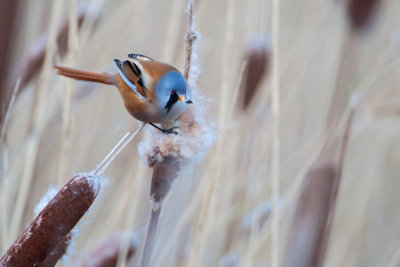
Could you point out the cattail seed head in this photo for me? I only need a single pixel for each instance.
(258, 60)
(311, 215)
(53, 224)
(361, 12)
(164, 173)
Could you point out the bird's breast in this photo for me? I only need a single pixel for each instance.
(141, 109)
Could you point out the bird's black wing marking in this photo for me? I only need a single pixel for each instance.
(135, 69)
(140, 57)
(122, 68)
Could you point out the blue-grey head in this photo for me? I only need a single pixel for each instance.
(173, 94)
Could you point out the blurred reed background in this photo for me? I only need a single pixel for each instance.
(221, 212)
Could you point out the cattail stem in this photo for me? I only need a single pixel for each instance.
(190, 38)
(111, 153)
(116, 150)
(151, 234)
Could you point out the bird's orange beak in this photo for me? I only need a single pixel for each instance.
(182, 98)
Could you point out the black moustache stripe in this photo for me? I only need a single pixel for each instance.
(172, 100)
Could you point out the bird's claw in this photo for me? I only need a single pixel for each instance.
(171, 130)
(168, 131)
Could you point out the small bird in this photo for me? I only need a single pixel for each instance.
(153, 92)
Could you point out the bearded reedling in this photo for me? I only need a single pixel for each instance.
(153, 92)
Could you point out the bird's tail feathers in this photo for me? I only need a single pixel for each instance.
(84, 75)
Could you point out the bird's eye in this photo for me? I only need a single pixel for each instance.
(173, 93)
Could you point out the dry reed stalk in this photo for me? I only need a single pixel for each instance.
(66, 118)
(258, 58)
(133, 211)
(116, 150)
(395, 259)
(4, 181)
(172, 32)
(44, 237)
(346, 75)
(128, 208)
(239, 86)
(8, 111)
(275, 164)
(311, 215)
(106, 254)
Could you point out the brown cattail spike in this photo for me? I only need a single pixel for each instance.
(361, 12)
(311, 216)
(53, 224)
(164, 173)
(257, 66)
